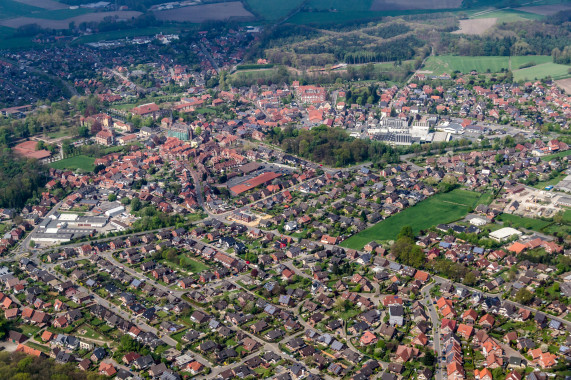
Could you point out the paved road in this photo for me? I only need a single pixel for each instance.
(440, 367)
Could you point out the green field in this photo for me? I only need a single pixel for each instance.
(77, 162)
(273, 9)
(554, 70)
(11, 8)
(521, 222)
(509, 15)
(193, 265)
(494, 64)
(441, 208)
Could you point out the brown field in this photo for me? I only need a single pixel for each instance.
(545, 10)
(50, 5)
(565, 84)
(390, 5)
(64, 24)
(476, 26)
(208, 12)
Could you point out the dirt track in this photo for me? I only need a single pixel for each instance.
(64, 24)
(476, 26)
(207, 12)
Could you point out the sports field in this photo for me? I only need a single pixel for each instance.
(441, 208)
(554, 70)
(77, 162)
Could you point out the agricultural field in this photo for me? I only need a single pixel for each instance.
(506, 15)
(476, 26)
(383, 5)
(565, 84)
(78, 162)
(441, 208)
(233, 10)
(63, 23)
(482, 64)
(273, 9)
(45, 4)
(554, 70)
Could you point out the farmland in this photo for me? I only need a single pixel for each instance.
(207, 12)
(77, 162)
(273, 9)
(553, 70)
(476, 26)
(482, 64)
(441, 208)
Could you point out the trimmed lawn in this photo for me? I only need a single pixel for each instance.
(37, 346)
(528, 223)
(440, 208)
(549, 182)
(78, 162)
(549, 157)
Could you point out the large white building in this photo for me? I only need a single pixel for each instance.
(504, 234)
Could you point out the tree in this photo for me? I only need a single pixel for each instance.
(523, 296)
(406, 232)
(558, 218)
(112, 197)
(470, 279)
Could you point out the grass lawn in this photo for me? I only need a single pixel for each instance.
(553, 181)
(273, 9)
(37, 346)
(441, 208)
(193, 265)
(518, 61)
(554, 70)
(29, 330)
(528, 223)
(77, 162)
(555, 155)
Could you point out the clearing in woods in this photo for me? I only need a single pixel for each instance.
(476, 26)
(233, 10)
(440, 208)
(545, 10)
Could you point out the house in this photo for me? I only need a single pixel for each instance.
(368, 338)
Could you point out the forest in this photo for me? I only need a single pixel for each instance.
(18, 366)
(332, 146)
(19, 179)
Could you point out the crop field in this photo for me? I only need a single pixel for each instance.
(63, 23)
(482, 64)
(545, 10)
(383, 5)
(441, 208)
(507, 15)
(273, 9)
(565, 84)
(45, 4)
(77, 162)
(554, 70)
(476, 26)
(11, 8)
(207, 12)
